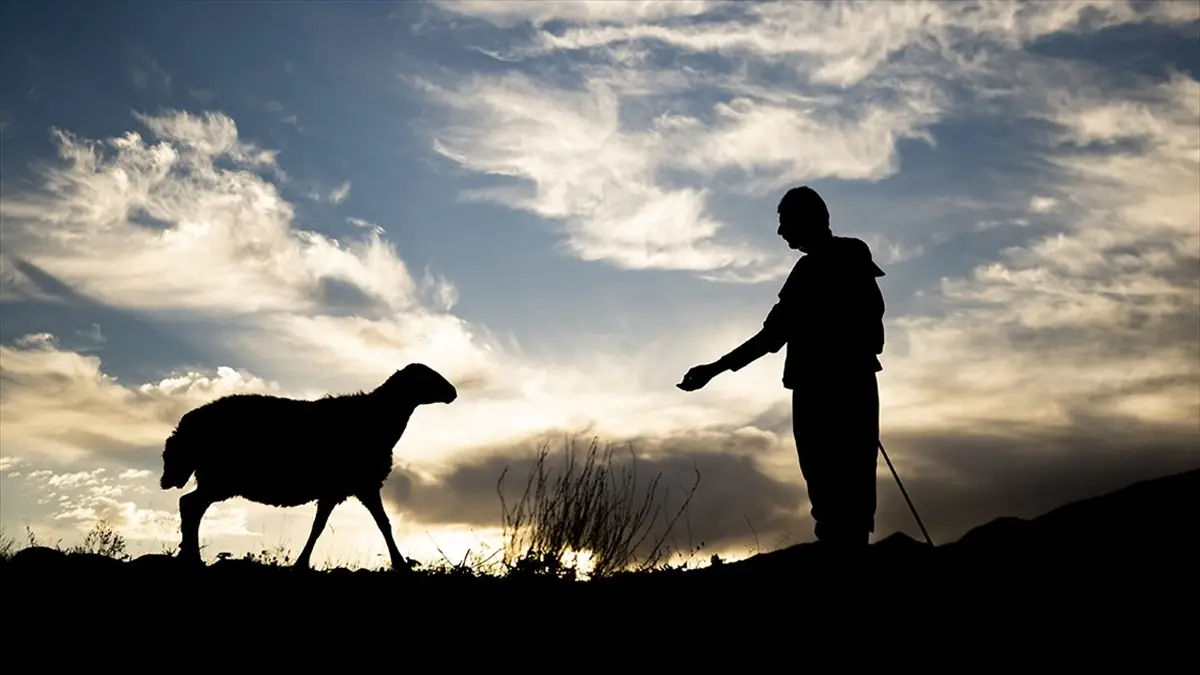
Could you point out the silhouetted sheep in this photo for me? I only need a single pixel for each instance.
(288, 452)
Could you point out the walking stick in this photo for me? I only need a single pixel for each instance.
(905, 493)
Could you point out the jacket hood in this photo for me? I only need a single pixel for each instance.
(850, 252)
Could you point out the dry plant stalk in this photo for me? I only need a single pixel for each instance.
(585, 509)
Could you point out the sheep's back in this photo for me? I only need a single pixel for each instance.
(288, 451)
(248, 429)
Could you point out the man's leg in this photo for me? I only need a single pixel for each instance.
(836, 426)
(810, 430)
(853, 464)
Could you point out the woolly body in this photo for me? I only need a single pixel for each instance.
(288, 452)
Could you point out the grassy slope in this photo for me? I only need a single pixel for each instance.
(1112, 549)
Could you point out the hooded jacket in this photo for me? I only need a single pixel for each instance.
(829, 314)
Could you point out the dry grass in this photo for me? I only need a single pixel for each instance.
(588, 509)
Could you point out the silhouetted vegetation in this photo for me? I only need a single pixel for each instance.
(102, 540)
(1104, 539)
(1123, 561)
(588, 509)
(1120, 559)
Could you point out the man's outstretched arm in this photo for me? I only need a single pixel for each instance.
(770, 339)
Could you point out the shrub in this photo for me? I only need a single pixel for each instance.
(586, 510)
(103, 540)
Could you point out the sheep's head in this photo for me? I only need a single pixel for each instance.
(423, 385)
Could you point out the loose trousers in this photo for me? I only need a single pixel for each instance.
(835, 421)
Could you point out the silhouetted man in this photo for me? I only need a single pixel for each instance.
(830, 316)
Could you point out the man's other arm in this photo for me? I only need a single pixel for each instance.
(769, 340)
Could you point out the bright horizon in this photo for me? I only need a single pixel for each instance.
(563, 206)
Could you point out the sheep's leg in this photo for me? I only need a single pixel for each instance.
(324, 508)
(374, 504)
(191, 510)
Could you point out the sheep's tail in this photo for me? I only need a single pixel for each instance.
(178, 461)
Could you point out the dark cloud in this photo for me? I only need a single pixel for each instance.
(734, 496)
(136, 349)
(104, 448)
(339, 297)
(957, 480)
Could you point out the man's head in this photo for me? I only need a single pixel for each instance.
(803, 218)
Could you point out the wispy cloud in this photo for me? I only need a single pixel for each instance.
(802, 92)
(92, 338)
(1102, 316)
(145, 72)
(589, 173)
(507, 13)
(125, 224)
(339, 194)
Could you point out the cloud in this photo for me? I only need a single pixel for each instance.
(837, 43)
(339, 194)
(92, 338)
(16, 286)
(81, 499)
(1042, 204)
(588, 172)
(958, 481)
(365, 224)
(606, 182)
(798, 92)
(734, 489)
(123, 226)
(507, 13)
(335, 196)
(145, 73)
(85, 226)
(58, 405)
(1103, 314)
(750, 492)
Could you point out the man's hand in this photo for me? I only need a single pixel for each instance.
(699, 376)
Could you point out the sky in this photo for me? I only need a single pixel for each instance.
(563, 206)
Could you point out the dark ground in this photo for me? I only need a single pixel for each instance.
(1125, 561)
